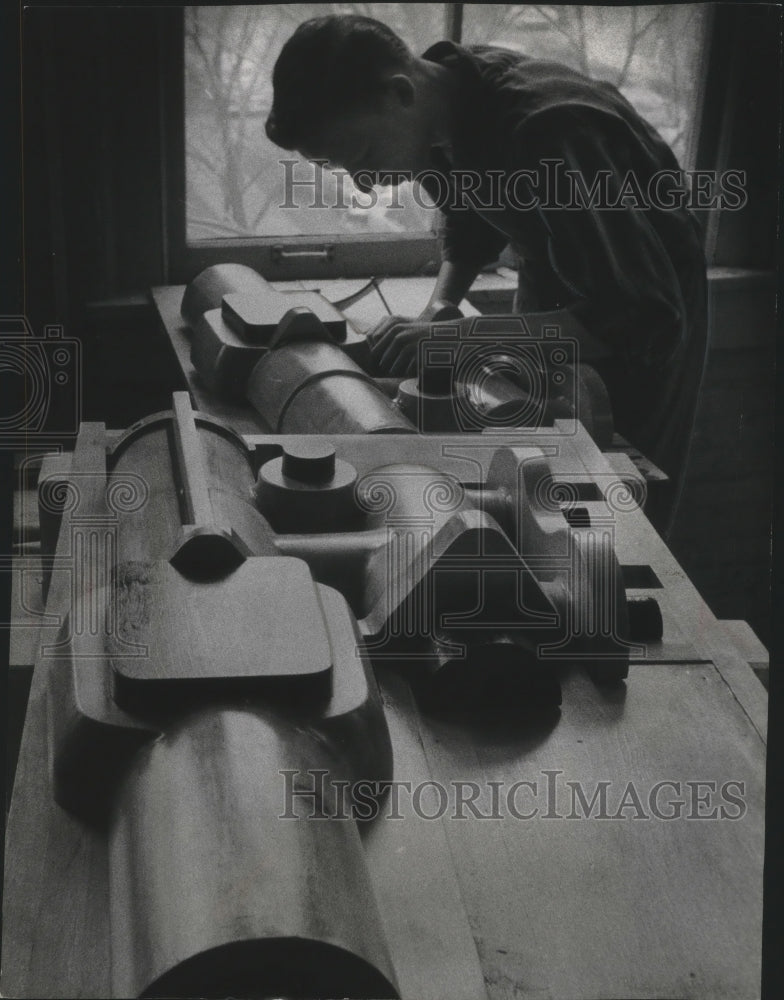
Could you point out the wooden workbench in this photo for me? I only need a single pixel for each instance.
(407, 297)
(545, 907)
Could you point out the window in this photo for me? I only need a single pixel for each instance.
(236, 178)
(238, 204)
(651, 54)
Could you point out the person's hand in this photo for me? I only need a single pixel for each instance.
(394, 344)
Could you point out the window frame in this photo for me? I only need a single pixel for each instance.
(281, 258)
(276, 258)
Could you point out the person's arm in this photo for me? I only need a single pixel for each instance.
(396, 350)
(452, 285)
(393, 342)
(467, 243)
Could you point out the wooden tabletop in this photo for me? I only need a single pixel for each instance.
(650, 899)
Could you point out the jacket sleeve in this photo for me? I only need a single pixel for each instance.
(610, 256)
(464, 236)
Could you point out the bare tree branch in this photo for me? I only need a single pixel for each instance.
(631, 45)
(261, 212)
(256, 176)
(194, 37)
(216, 224)
(583, 50)
(634, 38)
(555, 21)
(205, 161)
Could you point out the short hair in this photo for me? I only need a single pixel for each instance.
(330, 65)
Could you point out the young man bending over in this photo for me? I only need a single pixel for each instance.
(536, 156)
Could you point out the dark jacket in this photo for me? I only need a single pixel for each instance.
(633, 274)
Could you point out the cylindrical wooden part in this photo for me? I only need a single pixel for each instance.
(307, 489)
(147, 456)
(314, 388)
(223, 882)
(309, 461)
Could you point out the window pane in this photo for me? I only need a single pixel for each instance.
(651, 54)
(235, 180)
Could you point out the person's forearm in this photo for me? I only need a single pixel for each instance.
(452, 284)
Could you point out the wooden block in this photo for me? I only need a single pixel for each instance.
(224, 630)
(222, 357)
(255, 318)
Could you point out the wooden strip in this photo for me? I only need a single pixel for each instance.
(55, 940)
(188, 463)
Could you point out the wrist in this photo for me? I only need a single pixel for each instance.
(440, 309)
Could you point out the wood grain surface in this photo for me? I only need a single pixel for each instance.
(625, 904)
